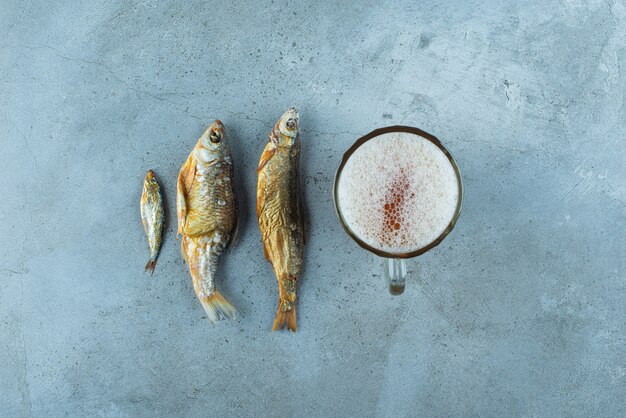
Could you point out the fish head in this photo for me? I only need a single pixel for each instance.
(214, 139)
(150, 175)
(150, 181)
(289, 124)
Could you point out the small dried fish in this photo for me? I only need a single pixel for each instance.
(280, 215)
(152, 217)
(207, 215)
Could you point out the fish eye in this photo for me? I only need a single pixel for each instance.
(291, 123)
(215, 137)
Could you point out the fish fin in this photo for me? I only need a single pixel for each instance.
(218, 307)
(285, 318)
(150, 266)
(301, 210)
(235, 234)
(181, 205)
(266, 253)
(302, 220)
(185, 181)
(183, 249)
(233, 237)
(260, 198)
(267, 155)
(258, 201)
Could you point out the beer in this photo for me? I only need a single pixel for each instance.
(398, 192)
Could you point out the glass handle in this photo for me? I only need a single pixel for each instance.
(395, 272)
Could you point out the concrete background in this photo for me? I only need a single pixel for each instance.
(520, 312)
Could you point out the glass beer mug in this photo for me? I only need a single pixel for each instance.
(398, 194)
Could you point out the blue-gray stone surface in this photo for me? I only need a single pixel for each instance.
(520, 312)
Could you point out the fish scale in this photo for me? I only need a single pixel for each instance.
(213, 203)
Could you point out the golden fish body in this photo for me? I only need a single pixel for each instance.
(152, 217)
(207, 215)
(280, 215)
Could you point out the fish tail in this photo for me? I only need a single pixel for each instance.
(285, 319)
(217, 307)
(151, 265)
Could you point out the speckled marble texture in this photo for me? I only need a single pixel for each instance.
(520, 312)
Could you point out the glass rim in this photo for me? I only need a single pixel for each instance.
(375, 133)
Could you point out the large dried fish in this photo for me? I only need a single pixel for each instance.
(280, 215)
(207, 215)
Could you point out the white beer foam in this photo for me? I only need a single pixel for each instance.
(398, 192)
